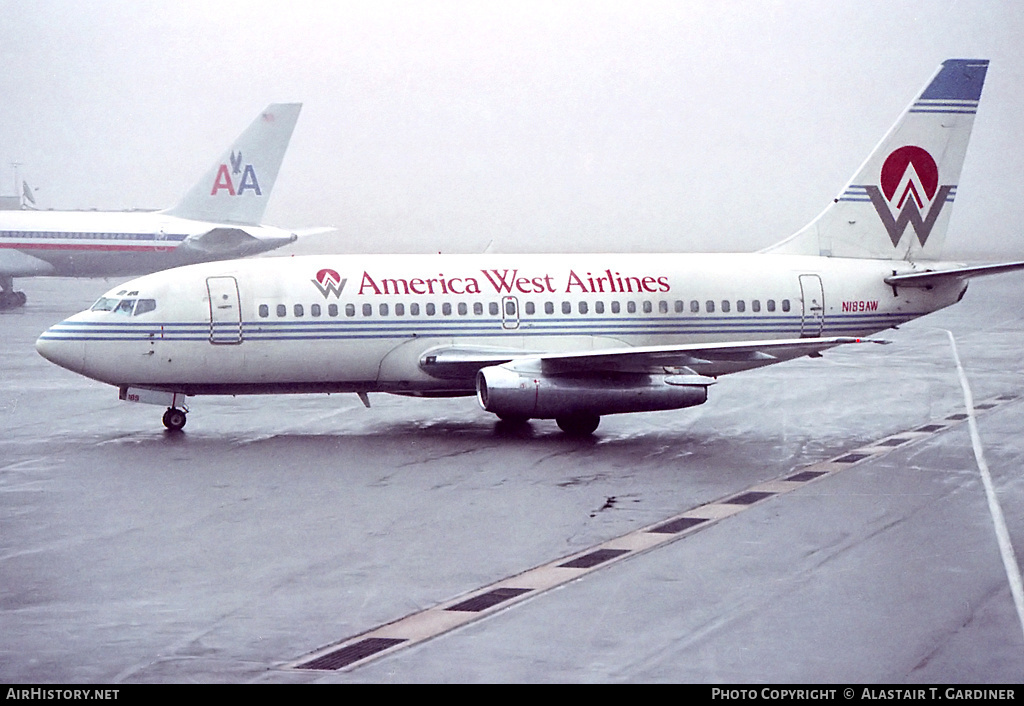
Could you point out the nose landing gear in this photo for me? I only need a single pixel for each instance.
(174, 419)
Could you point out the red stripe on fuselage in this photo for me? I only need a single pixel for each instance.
(85, 246)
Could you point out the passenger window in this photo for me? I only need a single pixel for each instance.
(785, 305)
(332, 309)
(367, 310)
(616, 308)
(679, 306)
(566, 308)
(493, 308)
(399, 309)
(264, 311)
(530, 309)
(583, 307)
(282, 310)
(725, 306)
(648, 307)
(510, 308)
(431, 309)
(709, 306)
(771, 305)
(350, 310)
(414, 309)
(463, 310)
(755, 305)
(631, 307)
(599, 307)
(446, 309)
(741, 306)
(549, 307)
(383, 309)
(478, 308)
(146, 305)
(694, 306)
(314, 310)
(298, 310)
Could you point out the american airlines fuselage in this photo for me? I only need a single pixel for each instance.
(106, 244)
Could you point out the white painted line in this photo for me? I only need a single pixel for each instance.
(1002, 533)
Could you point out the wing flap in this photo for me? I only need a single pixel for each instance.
(700, 358)
(705, 359)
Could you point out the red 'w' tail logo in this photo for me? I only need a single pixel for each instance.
(329, 282)
(909, 181)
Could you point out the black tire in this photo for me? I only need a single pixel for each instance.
(581, 424)
(174, 419)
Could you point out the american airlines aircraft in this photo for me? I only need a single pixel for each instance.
(217, 219)
(568, 337)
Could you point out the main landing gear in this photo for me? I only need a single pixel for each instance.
(579, 424)
(174, 419)
(9, 299)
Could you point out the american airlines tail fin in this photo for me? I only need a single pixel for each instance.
(897, 205)
(237, 187)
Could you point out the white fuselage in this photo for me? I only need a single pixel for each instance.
(104, 244)
(364, 323)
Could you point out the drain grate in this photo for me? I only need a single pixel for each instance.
(351, 653)
(749, 498)
(488, 600)
(805, 476)
(677, 526)
(593, 558)
(894, 442)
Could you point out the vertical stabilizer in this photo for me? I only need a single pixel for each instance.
(238, 185)
(897, 205)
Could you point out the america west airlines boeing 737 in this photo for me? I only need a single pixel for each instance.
(217, 219)
(569, 337)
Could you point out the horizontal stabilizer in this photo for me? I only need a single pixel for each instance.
(931, 278)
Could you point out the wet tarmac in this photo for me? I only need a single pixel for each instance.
(274, 527)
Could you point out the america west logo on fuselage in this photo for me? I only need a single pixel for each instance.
(329, 282)
(909, 185)
(248, 179)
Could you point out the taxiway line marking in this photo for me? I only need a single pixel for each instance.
(357, 650)
(995, 509)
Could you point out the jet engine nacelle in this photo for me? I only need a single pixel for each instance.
(511, 393)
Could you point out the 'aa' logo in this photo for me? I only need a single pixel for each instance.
(910, 183)
(329, 282)
(224, 181)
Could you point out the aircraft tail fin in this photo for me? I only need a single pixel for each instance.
(897, 205)
(238, 185)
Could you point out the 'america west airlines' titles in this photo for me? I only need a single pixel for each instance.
(515, 281)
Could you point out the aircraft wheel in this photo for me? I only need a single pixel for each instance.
(12, 300)
(582, 424)
(174, 419)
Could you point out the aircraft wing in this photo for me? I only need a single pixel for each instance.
(931, 278)
(705, 359)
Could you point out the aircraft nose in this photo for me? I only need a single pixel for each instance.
(57, 346)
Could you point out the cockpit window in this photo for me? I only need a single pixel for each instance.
(105, 304)
(127, 307)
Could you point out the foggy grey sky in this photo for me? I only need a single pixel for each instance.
(573, 126)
